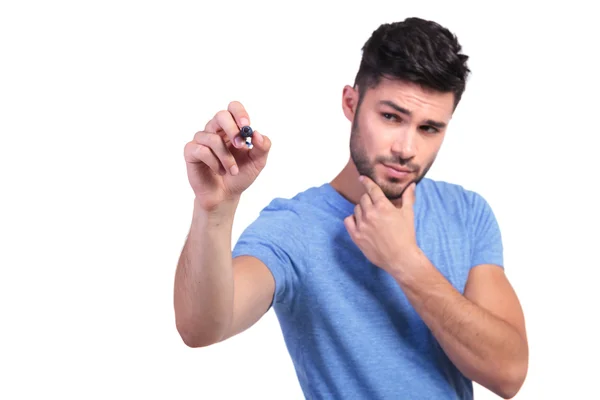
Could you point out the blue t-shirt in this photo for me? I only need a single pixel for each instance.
(349, 329)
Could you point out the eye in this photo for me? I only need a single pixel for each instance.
(429, 129)
(391, 117)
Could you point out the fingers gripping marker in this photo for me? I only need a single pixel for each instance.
(246, 132)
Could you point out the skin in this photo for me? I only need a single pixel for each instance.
(220, 167)
(217, 297)
(382, 134)
(483, 331)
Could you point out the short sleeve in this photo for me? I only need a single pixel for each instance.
(486, 239)
(274, 239)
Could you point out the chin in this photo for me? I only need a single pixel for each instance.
(393, 188)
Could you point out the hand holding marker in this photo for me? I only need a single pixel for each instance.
(219, 161)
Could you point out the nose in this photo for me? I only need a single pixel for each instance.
(404, 145)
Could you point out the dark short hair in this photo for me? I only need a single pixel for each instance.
(417, 51)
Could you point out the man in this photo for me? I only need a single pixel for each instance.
(386, 284)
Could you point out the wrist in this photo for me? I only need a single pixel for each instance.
(222, 212)
(409, 265)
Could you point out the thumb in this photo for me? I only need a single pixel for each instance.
(261, 145)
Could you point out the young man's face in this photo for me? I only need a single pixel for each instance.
(397, 126)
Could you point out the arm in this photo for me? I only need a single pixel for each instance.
(216, 297)
(482, 332)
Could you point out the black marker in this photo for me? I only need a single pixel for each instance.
(246, 133)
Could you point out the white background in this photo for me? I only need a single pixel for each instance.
(97, 100)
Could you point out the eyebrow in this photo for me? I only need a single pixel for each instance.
(402, 110)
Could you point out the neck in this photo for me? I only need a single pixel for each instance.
(347, 184)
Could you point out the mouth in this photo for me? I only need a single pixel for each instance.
(398, 168)
(397, 171)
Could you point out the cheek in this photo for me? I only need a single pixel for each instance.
(434, 146)
(429, 152)
(379, 136)
(370, 136)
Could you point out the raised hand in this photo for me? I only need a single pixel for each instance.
(219, 164)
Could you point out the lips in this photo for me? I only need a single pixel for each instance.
(398, 168)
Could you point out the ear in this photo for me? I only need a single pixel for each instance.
(349, 102)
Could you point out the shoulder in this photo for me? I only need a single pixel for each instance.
(466, 206)
(293, 209)
(470, 210)
(290, 215)
(451, 196)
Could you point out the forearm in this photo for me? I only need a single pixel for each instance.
(483, 347)
(203, 295)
